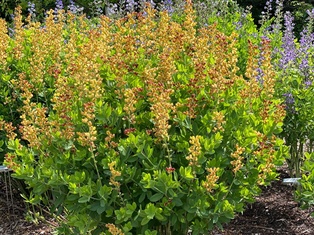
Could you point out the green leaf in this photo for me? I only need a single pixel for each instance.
(149, 232)
(186, 173)
(190, 216)
(156, 197)
(101, 209)
(142, 197)
(150, 211)
(127, 227)
(177, 201)
(84, 199)
(159, 216)
(145, 221)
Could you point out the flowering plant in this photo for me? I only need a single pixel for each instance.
(295, 69)
(141, 125)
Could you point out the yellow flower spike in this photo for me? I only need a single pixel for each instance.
(195, 151)
(164, 31)
(130, 101)
(161, 106)
(222, 66)
(105, 37)
(189, 23)
(54, 38)
(252, 63)
(4, 42)
(218, 118)
(19, 34)
(165, 69)
(211, 179)
(252, 88)
(34, 123)
(9, 129)
(114, 230)
(88, 138)
(269, 73)
(237, 163)
(63, 100)
(114, 174)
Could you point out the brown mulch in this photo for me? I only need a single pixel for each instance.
(274, 212)
(13, 215)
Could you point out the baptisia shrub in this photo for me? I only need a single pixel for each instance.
(141, 125)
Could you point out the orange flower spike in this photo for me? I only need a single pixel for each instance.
(53, 35)
(237, 163)
(211, 179)
(266, 169)
(218, 118)
(63, 100)
(232, 58)
(9, 129)
(269, 73)
(39, 55)
(252, 63)
(105, 37)
(114, 230)
(161, 106)
(200, 54)
(4, 43)
(109, 142)
(164, 32)
(189, 23)
(9, 160)
(219, 65)
(19, 34)
(88, 138)
(160, 111)
(279, 113)
(166, 69)
(176, 39)
(195, 150)
(114, 175)
(130, 101)
(34, 123)
(252, 88)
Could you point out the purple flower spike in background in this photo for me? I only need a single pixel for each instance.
(167, 5)
(310, 13)
(289, 98)
(152, 3)
(96, 7)
(308, 83)
(260, 75)
(306, 43)
(267, 13)
(31, 9)
(288, 54)
(59, 5)
(130, 6)
(74, 9)
(289, 102)
(112, 9)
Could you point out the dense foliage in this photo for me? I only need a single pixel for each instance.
(144, 125)
(158, 121)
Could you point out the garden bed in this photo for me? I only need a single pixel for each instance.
(274, 212)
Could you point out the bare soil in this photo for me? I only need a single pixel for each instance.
(274, 212)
